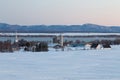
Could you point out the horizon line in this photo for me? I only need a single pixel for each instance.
(58, 24)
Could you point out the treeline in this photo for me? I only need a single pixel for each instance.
(6, 46)
(110, 42)
(82, 43)
(33, 46)
(40, 46)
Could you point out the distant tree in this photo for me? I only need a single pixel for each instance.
(27, 44)
(116, 42)
(22, 43)
(7, 46)
(42, 46)
(55, 39)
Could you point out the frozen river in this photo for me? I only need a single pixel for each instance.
(67, 36)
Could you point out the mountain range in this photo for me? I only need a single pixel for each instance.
(59, 28)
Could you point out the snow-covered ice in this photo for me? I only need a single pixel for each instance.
(67, 65)
(57, 34)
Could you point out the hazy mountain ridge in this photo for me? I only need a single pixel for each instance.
(59, 28)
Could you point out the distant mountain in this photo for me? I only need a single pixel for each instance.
(60, 28)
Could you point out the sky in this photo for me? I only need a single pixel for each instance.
(60, 12)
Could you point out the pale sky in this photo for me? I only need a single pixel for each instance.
(60, 12)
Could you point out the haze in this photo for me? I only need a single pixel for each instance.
(60, 12)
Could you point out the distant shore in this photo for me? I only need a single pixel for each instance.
(63, 34)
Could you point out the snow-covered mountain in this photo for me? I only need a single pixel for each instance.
(59, 28)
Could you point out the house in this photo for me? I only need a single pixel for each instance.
(89, 46)
(94, 45)
(99, 46)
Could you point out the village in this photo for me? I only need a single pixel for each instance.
(58, 43)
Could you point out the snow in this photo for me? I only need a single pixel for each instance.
(61, 65)
(57, 34)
